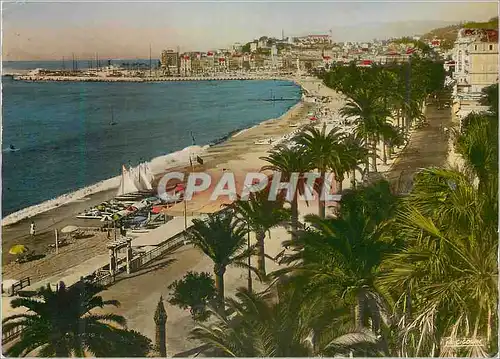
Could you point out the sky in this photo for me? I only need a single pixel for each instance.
(125, 30)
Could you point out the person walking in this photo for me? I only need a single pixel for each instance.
(32, 229)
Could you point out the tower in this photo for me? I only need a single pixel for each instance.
(160, 319)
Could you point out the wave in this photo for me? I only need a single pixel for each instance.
(158, 165)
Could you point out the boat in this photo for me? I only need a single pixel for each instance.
(112, 123)
(264, 141)
(293, 125)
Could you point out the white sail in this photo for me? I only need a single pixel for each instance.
(127, 184)
(143, 177)
(134, 174)
(148, 172)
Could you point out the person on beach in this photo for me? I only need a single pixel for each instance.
(32, 229)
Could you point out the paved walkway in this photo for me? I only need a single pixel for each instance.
(428, 147)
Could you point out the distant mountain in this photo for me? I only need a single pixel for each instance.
(448, 34)
(383, 31)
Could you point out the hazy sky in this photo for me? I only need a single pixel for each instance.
(36, 30)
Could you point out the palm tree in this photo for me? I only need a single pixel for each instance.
(371, 116)
(447, 272)
(60, 323)
(261, 214)
(288, 161)
(283, 325)
(326, 152)
(222, 238)
(354, 150)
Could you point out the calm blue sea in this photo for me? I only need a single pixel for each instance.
(66, 142)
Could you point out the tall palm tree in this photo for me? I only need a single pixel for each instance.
(279, 326)
(325, 153)
(371, 116)
(354, 150)
(222, 238)
(261, 214)
(288, 161)
(60, 323)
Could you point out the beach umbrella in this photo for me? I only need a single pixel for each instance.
(69, 229)
(18, 249)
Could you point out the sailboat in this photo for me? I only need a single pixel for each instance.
(112, 123)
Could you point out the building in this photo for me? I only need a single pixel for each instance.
(185, 65)
(253, 47)
(476, 58)
(170, 62)
(236, 47)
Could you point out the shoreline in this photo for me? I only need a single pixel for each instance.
(158, 166)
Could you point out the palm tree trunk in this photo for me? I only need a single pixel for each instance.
(359, 310)
(321, 203)
(295, 216)
(398, 117)
(261, 260)
(374, 155)
(353, 179)
(338, 185)
(384, 153)
(219, 271)
(249, 274)
(367, 163)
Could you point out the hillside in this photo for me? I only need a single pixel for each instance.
(448, 34)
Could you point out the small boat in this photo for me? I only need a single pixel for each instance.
(264, 142)
(293, 125)
(112, 123)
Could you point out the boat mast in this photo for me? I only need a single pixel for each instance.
(149, 59)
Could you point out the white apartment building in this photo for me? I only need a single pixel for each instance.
(476, 58)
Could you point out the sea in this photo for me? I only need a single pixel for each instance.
(69, 135)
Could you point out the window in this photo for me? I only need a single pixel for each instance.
(475, 47)
(491, 47)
